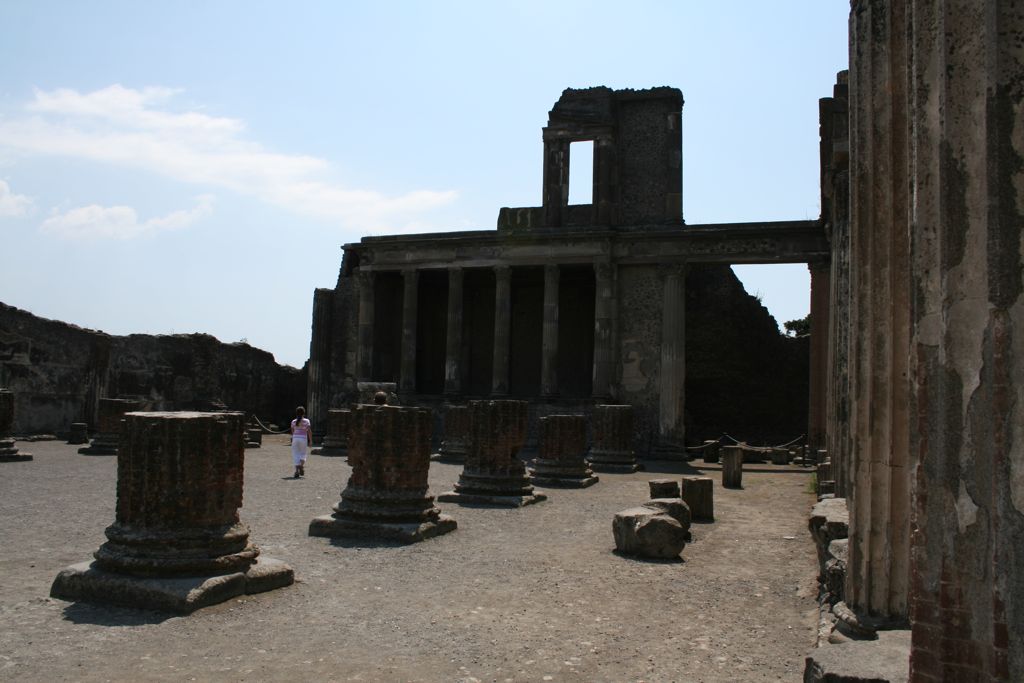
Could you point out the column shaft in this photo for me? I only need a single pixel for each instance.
(365, 352)
(410, 308)
(549, 343)
(502, 325)
(673, 362)
(819, 355)
(453, 358)
(603, 295)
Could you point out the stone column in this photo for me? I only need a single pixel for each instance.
(8, 451)
(318, 393)
(386, 496)
(562, 449)
(410, 306)
(604, 293)
(453, 358)
(108, 431)
(364, 363)
(494, 474)
(456, 434)
(176, 542)
(612, 447)
(339, 424)
(605, 171)
(549, 343)
(967, 183)
(880, 465)
(502, 328)
(699, 494)
(556, 180)
(818, 375)
(671, 444)
(732, 467)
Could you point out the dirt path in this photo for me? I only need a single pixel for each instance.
(533, 594)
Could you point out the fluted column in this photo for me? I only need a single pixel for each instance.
(603, 295)
(673, 363)
(410, 307)
(364, 364)
(502, 325)
(453, 358)
(319, 379)
(549, 343)
(819, 355)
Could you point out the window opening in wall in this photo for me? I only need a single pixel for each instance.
(581, 172)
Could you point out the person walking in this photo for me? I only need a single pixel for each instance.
(302, 437)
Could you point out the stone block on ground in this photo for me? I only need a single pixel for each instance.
(612, 448)
(79, 433)
(561, 459)
(711, 451)
(648, 532)
(732, 467)
(664, 488)
(885, 660)
(698, 492)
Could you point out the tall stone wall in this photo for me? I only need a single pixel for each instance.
(59, 372)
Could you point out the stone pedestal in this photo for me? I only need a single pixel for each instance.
(562, 451)
(664, 488)
(79, 433)
(711, 450)
(386, 495)
(612, 450)
(339, 426)
(732, 467)
(780, 456)
(494, 474)
(698, 493)
(253, 437)
(456, 435)
(8, 451)
(108, 431)
(176, 542)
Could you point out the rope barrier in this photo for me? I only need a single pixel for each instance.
(267, 429)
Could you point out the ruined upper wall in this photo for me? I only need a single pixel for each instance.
(59, 372)
(637, 179)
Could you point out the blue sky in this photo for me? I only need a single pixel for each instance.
(195, 167)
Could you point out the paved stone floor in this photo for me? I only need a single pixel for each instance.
(531, 594)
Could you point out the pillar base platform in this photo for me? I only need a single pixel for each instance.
(495, 500)
(564, 482)
(616, 467)
(85, 582)
(329, 526)
(329, 452)
(14, 457)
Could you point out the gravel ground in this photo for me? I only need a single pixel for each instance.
(532, 594)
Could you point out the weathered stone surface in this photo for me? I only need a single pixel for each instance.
(368, 392)
(253, 437)
(861, 661)
(732, 467)
(648, 532)
(664, 488)
(339, 425)
(108, 431)
(562, 452)
(698, 492)
(176, 542)
(711, 450)
(386, 496)
(456, 434)
(493, 473)
(676, 508)
(612, 448)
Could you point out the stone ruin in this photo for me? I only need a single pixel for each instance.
(561, 460)
(108, 431)
(386, 496)
(8, 451)
(612, 449)
(732, 466)
(78, 434)
(493, 473)
(455, 442)
(176, 543)
(339, 426)
(658, 529)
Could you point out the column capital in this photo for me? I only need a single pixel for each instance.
(551, 269)
(410, 272)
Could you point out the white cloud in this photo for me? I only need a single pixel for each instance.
(137, 129)
(120, 222)
(12, 204)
